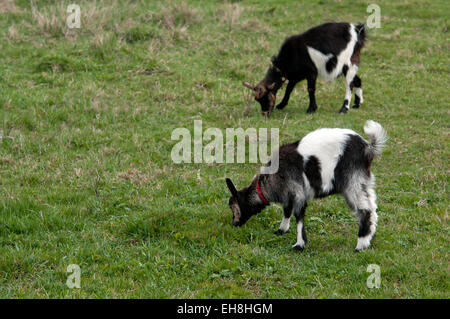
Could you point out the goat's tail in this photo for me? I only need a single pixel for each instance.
(377, 136)
(361, 32)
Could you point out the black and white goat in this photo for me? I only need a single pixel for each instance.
(326, 161)
(328, 50)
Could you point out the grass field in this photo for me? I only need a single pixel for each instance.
(86, 177)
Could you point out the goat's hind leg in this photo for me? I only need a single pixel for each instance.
(361, 198)
(367, 228)
(349, 73)
(358, 92)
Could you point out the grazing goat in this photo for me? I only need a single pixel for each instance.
(326, 161)
(328, 50)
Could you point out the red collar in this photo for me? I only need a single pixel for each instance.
(258, 189)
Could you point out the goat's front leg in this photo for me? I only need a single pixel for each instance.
(299, 213)
(285, 222)
(287, 95)
(312, 97)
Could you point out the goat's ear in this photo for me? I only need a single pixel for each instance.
(271, 87)
(246, 84)
(231, 187)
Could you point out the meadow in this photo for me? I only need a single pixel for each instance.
(86, 177)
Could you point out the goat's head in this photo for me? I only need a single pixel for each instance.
(243, 203)
(264, 94)
(265, 91)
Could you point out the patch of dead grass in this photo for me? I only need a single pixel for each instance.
(51, 20)
(8, 6)
(134, 176)
(230, 13)
(13, 33)
(174, 15)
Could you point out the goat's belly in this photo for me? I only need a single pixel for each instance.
(328, 77)
(328, 66)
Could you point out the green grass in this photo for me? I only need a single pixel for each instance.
(85, 170)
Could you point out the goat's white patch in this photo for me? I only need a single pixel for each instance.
(327, 144)
(373, 223)
(356, 197)
(284, 226)
(309, 191)
(363, 242)
(351, 72)
(358, 92)
(300, 242)
(320, 59)
(371, 193)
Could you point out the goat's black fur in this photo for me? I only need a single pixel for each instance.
(300, 178)
(294, 63)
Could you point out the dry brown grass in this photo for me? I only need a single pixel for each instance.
(176, 15)
(230, 13)
(50, 21)
(175, 19)
(95, 16)
(102, 18)
(8, 6)
(13, 33)
(134, 176)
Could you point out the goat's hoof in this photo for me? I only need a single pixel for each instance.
(280, 232)
(311, 110)
(356, 106)
(298, 247)
(343, 110)
(280, 106)
(359, 249)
